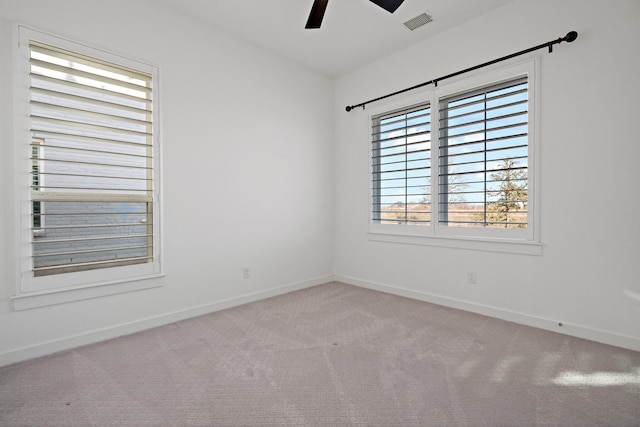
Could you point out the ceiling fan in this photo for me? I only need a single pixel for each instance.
(319, 6)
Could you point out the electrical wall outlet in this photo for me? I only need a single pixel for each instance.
(246, 272)
(472, 278)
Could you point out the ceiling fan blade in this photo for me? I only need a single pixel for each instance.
(388, 5)
(316, 14)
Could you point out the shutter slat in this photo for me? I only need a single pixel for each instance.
(69, 227)
(58, 254)
(483, 121)
(411, 135)
(70, 137)
(86, 239)
(62, 54)
(484, 131)
(73, 267)
(40, 68)
(132, 178)
(59, 109)
(97, 191)
(51, 147)
(445, 109)
(41, 82)
(78, 162)
(51, 196)
(85, 100)
(499, 107)
(79, 125)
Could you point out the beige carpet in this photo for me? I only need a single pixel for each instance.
(331, 355)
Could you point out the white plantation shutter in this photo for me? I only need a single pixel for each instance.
(92, 137)
(401, 166)
(483, 157)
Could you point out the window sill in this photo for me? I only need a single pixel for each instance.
(60, 296)
(488, 245)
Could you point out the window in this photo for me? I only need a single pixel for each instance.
(401, 163)
(93, 195)
(474, 178)
(483, 157)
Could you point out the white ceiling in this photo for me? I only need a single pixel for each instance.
(354, 32)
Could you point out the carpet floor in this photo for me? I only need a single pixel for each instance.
(330, 355)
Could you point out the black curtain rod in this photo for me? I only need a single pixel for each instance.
(571, 36)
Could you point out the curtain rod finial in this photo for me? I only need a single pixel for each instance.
(348, 108)
(571, 36)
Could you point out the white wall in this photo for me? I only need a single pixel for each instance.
(248, 172)
(587, 277)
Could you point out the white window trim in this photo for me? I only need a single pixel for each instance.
(491, 240)
(57, 289)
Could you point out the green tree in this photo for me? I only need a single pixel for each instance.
(511, 206)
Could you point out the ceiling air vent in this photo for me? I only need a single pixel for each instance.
(418, 21)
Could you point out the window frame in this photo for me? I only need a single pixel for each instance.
(524, 241)
(33, 291)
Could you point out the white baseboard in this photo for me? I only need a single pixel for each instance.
(605, 337)
(67, 343)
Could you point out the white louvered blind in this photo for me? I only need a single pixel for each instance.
(401, 166)
(483, 157)
(92, 193)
